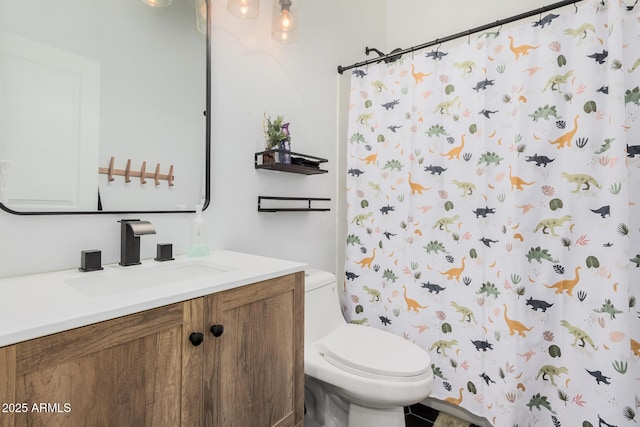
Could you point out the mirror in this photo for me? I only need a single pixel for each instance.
(103, 106)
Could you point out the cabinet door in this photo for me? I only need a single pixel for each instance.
(122, 372)
(254, 371)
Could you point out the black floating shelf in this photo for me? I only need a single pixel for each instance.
(308, 201)
(300, 163)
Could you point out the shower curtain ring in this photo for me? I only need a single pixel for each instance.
(575, 6)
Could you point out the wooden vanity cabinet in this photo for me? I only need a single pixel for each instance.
(254, 372)
(125, 371)
(154, 369)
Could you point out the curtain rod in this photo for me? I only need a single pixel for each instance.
(395, 54)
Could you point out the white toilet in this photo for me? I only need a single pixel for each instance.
(356, 376)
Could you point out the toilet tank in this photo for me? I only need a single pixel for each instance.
(322, 313)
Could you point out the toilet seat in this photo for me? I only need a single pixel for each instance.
(372, 353)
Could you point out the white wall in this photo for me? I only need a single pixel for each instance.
(414, 22)
(252, 74)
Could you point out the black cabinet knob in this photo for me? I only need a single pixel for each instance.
(217, 330)
(196, 338)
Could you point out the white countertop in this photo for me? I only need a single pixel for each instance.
(36, 305)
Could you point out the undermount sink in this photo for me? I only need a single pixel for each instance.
(115, 279)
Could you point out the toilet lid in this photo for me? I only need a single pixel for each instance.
(366, 350)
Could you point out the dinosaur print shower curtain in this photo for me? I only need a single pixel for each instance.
(493, 199)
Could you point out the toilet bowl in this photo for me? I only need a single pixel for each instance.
(355, 375)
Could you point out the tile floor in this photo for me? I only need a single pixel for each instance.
(420, 416)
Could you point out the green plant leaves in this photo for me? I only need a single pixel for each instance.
(562, 61)
(590, 107)
(592, 262)
(555, 204)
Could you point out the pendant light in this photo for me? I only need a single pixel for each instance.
(284, 24)
(157, 3)
(246, 9)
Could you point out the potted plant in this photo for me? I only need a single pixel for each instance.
(276, 134)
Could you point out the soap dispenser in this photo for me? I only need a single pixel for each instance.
(199, 244)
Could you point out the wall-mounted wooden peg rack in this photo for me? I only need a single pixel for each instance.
(142, 173)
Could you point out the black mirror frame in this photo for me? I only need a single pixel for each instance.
(207, 168)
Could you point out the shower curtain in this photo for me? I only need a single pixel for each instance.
(492, 192)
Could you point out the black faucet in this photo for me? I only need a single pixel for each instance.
(130, 232)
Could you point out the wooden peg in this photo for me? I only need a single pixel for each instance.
(127, 172)
(143, 178)
(156, 176)
(142, 173)
(110, 170)
(170, 176)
